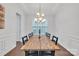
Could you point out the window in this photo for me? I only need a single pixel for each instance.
(43, 27)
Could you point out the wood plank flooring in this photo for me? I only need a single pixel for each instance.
(17, 52)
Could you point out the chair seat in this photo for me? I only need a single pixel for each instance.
(46, 53)
(33, 53)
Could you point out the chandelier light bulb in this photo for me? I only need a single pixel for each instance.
(38, 14)
(35, 19)
(43, 20)
(42, 14)
(40, 18)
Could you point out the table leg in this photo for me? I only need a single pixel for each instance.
(39, 53)
(26, 53)
(53, 53)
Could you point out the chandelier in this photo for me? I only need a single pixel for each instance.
(40, 16)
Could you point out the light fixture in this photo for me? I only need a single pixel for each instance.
(39, 16)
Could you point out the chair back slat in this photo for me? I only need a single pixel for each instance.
(30, 34)
(24, 39)
(55, 39)
(48, 35)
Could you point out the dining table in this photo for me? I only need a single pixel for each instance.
(39, 44)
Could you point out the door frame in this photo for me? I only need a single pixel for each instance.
(18, 18)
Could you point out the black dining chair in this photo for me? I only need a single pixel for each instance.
(31, 53)
(48, 35)
(47, 53)
(30, 34)
(55, 39)
(24, 39)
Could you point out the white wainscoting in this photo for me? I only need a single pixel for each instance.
(7, 43)
(70, 42)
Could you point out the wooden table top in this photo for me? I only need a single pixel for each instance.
(42, 44)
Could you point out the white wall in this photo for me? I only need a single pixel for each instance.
(67, 27)
(51, 25)
(8, 36)
(28, 23)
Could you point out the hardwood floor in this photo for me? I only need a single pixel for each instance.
(17, 52)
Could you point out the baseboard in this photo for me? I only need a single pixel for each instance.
(66, 49)
(9, 51)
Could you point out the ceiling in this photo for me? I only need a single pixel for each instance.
(48, 9)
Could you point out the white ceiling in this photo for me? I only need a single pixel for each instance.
(48, 9)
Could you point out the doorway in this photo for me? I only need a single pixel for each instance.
(18, 16)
